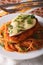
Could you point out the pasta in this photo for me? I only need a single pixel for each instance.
(29, 44)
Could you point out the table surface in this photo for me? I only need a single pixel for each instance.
(35, 61)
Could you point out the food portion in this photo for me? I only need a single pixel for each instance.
(19, 34)
(9, 1)
(21, 23)
(3, 13)
(38, 11)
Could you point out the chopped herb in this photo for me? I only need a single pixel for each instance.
(29, 20)
(24, 18)
(20, 26)
(19, 20)
(19, 30)
(28, 15)
(19, 17)
(15, 20)
(10, 26)
(24, 48)
(32, 16)
(10, 31)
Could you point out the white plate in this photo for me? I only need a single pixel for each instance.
(16, 55)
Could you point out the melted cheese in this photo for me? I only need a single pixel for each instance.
(29, 26)
(24, 25)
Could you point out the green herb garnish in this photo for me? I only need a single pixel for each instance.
(20, 28)
(10, 26)
(24, 48)
(32, 16)
(29, 20)
(10, 31)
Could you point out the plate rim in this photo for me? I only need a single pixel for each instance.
(32, 51)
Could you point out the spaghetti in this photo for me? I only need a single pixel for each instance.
(33, 42)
